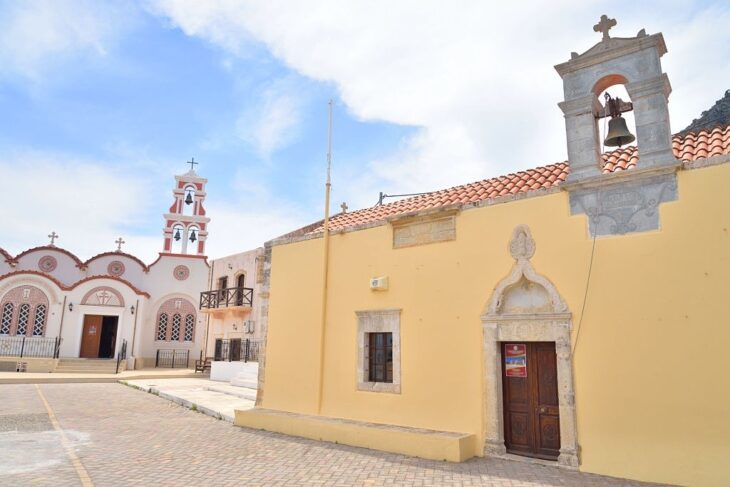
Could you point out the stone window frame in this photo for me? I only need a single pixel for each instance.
(377, 321)
(545, 325)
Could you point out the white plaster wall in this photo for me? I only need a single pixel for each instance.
(133, 272)
(67, 270)
(162, 286)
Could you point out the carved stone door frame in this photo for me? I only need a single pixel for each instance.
(526, 307)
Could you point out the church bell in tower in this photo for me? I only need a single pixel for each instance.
(618, 133)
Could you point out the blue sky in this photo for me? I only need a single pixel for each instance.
(103, 102)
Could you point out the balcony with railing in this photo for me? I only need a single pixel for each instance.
(237, 299)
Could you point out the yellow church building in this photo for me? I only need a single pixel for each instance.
(576, 314)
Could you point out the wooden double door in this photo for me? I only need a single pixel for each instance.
(99, 336)
(530, 399)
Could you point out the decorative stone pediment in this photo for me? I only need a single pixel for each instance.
(523, 290)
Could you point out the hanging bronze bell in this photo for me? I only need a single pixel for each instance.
(177, 235)
(193, 238)
(189, 199)
(618, 133)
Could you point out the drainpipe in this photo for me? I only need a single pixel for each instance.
(207, 317)
(134, 330)
(325, 263)
(60, 328)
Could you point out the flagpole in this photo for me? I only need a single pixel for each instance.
(325, 265)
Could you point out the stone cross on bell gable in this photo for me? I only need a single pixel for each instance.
(119, 243)
(604, 25)
(53, 236)
(192, 163)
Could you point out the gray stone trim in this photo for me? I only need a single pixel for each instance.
(430, 226)
(377, 321)
(624, 205)
(264, 320)
(544, 325)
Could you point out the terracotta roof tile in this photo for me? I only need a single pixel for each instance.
(687, 148)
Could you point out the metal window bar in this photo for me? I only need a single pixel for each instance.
(23, 346)
(23, 315)
(162, 327)
(189, 327)
(40, 320)
(7, 319)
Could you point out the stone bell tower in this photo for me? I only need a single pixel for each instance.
(626, 201)
(186, 224)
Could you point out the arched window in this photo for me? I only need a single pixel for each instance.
(189, 327)
(7, 319)
(178, 324)
(23, 315)
(175, 333)
(162, 327)
(24, 311)
(39, 321)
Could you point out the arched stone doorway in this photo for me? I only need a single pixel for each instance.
(526, 307)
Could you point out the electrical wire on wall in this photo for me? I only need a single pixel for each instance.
(585, 295)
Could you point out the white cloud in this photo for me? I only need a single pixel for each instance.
(239, 227)
(36, 36)
(87, 202)
(272, 123)
(476, 77)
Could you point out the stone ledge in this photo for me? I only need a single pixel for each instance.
(417, 442)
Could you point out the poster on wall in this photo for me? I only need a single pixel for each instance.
(515, 360)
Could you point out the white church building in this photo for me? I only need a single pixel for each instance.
(55, 306)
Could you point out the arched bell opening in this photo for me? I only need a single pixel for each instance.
(178, 239)
(189, 201)
(616, 123)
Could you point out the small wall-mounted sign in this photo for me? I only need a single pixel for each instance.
(92, 330)
(515, 360)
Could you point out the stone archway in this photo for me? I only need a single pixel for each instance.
(526, 306)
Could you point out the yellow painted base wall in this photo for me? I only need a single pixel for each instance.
(408, 441)
(651, 362)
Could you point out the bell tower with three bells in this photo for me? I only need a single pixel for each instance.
(624, 201)
(186, 224)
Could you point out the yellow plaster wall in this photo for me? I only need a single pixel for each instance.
(651, 363)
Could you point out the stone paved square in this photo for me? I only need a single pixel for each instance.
(124, 436)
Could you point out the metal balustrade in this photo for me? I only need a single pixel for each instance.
(226, 298)
(29, 346)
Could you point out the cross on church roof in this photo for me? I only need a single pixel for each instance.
(192, 163)
(53, 236)
(344, 207)
(604, 25)
(119, 243)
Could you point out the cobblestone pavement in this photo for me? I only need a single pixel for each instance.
(125, 437)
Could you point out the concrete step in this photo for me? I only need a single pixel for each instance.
(88, 366)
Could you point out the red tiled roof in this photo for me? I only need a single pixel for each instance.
(687, 148)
